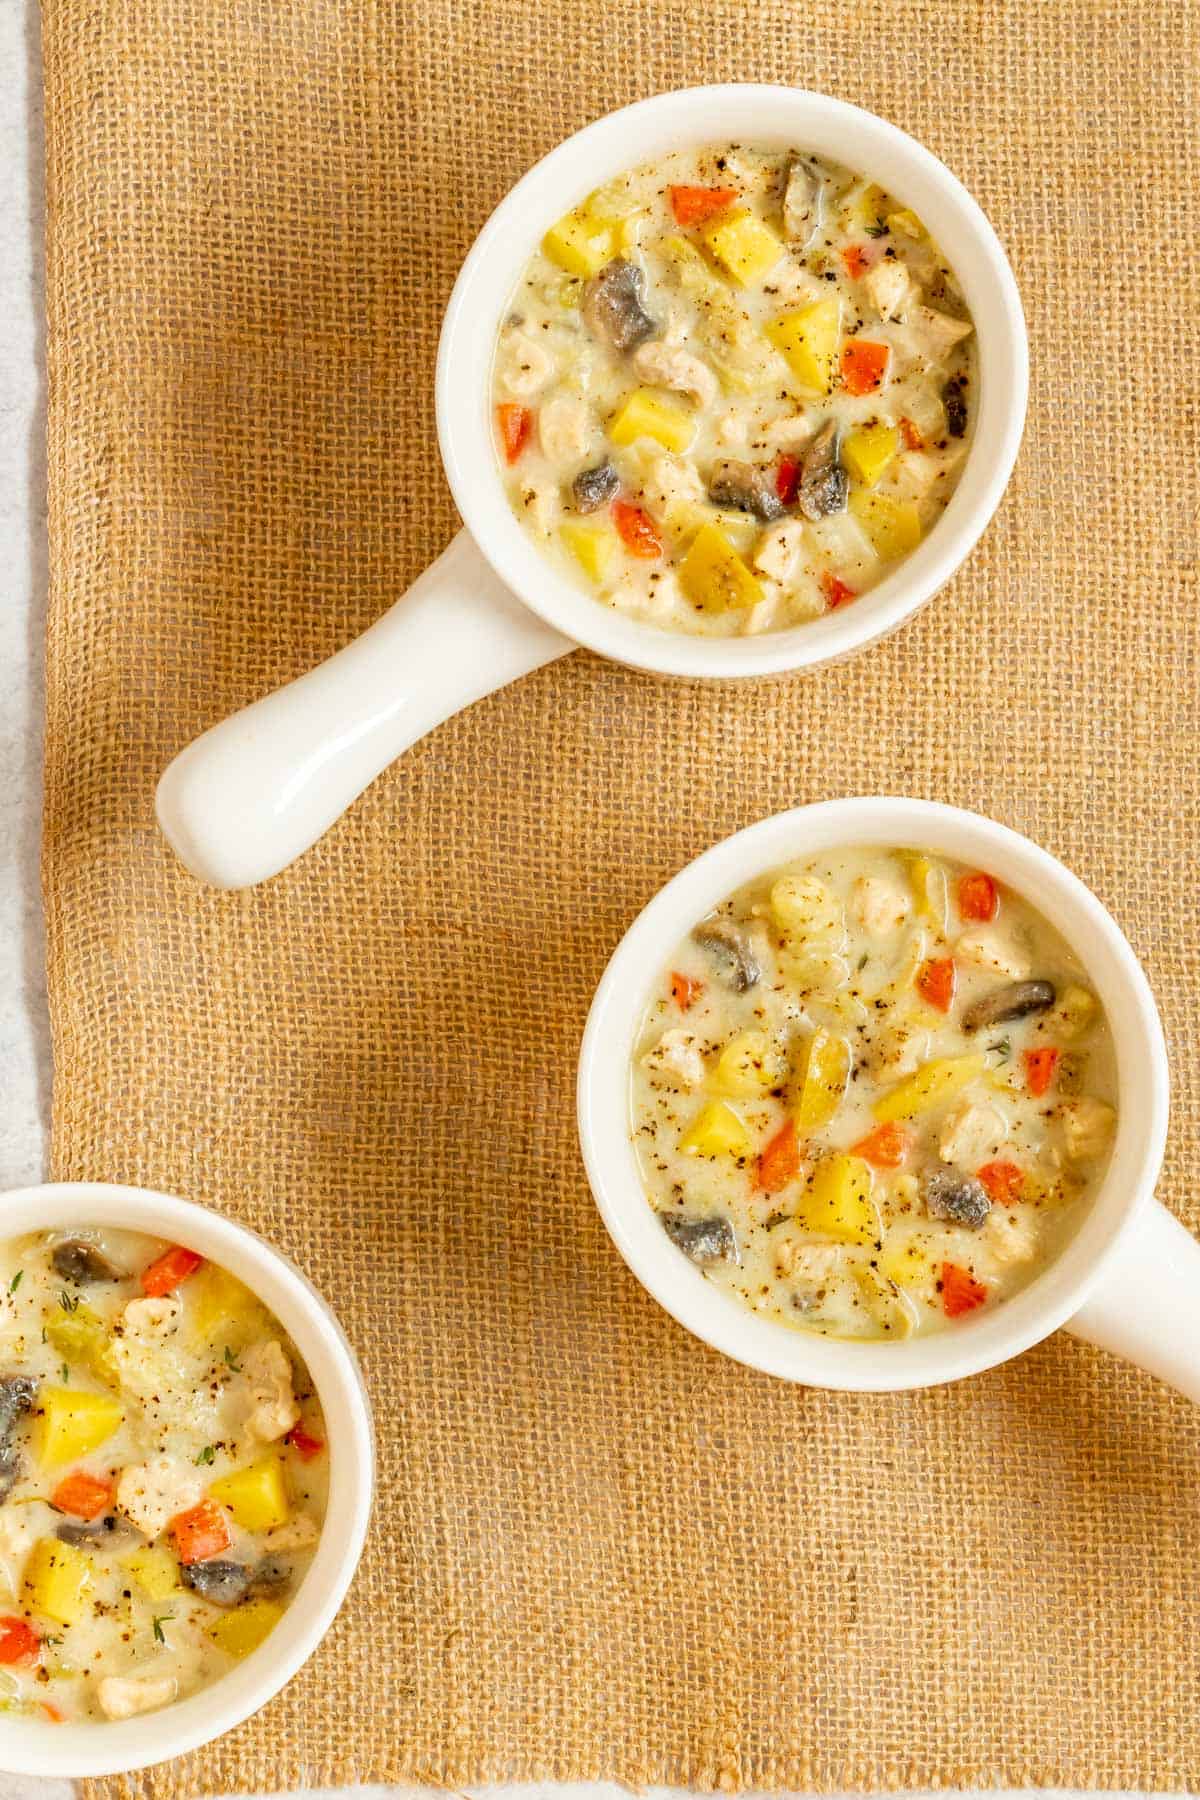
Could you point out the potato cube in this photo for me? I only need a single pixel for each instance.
(594, 547)
(73, 1423)
(257, 1496)
(716, 1131)
(866, 453)
(651, 413)
(154, 1569)
(579, 243)
(713, 575)
(838, 1204)
(58, 1581)
(809, 341)
(823, 1084)
(1075, 1011)
(244, 1628)
(893, 526)
(749, 1066)
(929, 1086)
(744, 246)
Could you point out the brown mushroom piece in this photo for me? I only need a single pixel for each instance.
(109, 1530)
(748, 486)
(727, 941)
(954, 399)
(1015, 1000)
(594, 488)
(77, 1261)
(224, 1583)
(708, 1240)
(17, 1395)
(823, 485)
(612, 306)
(960, 1199)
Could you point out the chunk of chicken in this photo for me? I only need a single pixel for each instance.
(798, 1260)
(670, 366)
(792, 285)
(523, 366)
(268, 1377)
(789, 433)
(300, 1533)
(971, 1134)
(917, 473)
(150, 1494)
(802, 204)
(1012, 1237)
(888, 286)
(538, 500)
(779, 549)
(650, 591)
(152, 1318)
(564, 428)
(122, 1696)
(991, 950)
(669, 482)
(733, 429)
(1087, 1127)
(676, 1058)
(936, 333)
(880, 906)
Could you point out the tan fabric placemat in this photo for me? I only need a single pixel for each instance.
(600, 1550)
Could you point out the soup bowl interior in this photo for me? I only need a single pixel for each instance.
(91, 1749)
(771, 118)
(604, 1095)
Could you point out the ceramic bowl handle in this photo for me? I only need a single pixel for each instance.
(1147, 1307)
(258, 789)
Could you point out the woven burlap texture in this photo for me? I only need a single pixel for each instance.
(599, 1549)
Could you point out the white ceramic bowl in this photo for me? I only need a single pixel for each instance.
(28, 1747)
(255, 791)
(1130, 1278)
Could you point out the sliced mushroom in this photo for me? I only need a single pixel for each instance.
(612, 305)
(802, 205)
(730, 942)
(708, 1240)
(80, 1262)
(1012, 1001)
(954, 400)
(108, 1529)
(594, 488)
(17, 1395)
(224, 1583)
(823, 485)
(959, 1198)
(748, 486)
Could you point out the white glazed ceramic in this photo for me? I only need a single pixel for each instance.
(1130, 1278)
(254, 792)
(28, 1747)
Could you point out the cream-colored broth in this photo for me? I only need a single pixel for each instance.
(877, 1184)
(734, 393)
(197, 1385)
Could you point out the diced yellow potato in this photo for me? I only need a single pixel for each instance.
(257, 1496)
(823, 1084)
(906, 222)
(716, 1131)
(867, 452)
(221, 1309)
(892, 1310)
(594, 547)
(81, 1338)
(713, 575)
(862, 207)
(1075, 1011)
(72, 1423)
(803, 906)
(652, 413)
(684, 518)
(690, 269)
(809, 340)
(838, 1204)
(929, 1086)
(908, 1261)
(749, 1066)
(579, 243)
(929, 886)
(154, 1569)
(244, 1628)
(893, 526)
(612, 202)
(743, 245)
(58, 1581)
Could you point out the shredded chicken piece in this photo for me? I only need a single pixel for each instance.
(879, 905)
(671, 367)
(992, 951)
(564, 428)
(150, 1494)
(971, 1134)
(300, 1533)
(888, 285)
(797, 1260)
(779, 549)
(1011, 1236)
(676, 1057)
(1087, 1126)
(268, 1377)
(524, 366)
(153, 1318)
(936, 332)
(537, 503)
(122, 1696)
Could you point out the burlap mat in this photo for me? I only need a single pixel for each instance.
(600, 1550)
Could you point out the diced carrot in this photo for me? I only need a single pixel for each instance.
(912, 437)
(172, 1267)
(685, 989)
(83, 1495)
(638, 531)
(1003, 1181)
(961, 1293)
(19, 1642)
(855, 260)
(787, 479)
(886, 1147)
(978, 897)
(692, 205)
(936, 982)
(864, 365)
(516, 428)
(201, 1532)
(1039, 1069)
(51, 1712)
(836, 591)
(304, 1443)
(780, 1160)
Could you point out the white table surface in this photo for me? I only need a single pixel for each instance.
(24, 1034)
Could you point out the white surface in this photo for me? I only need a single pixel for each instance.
(24, 1041)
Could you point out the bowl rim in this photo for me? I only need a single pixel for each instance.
(28, 1747)
(618, 1007)
(774, 115)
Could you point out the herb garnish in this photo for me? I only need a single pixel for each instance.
(877, 230)
(206, 1455)
(16, 1281)
(68, 1302)
(158, 1623)
(1001, 1048)
(231, 1362)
